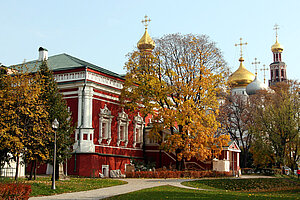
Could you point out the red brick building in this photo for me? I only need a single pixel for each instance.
(106, 137)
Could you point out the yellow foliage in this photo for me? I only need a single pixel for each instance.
(23, 122)
(180, 92)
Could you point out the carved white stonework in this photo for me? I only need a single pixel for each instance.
(104, 80)
(105, 118)
(123, 123)
(106, 96)
(84, 145)
(138, 130)
(72, 76)
(69, 76)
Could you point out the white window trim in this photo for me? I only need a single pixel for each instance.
(107, 168)
(105, 117)
(123, 121)
(138, 124)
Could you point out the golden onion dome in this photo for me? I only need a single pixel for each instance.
(276, 47)
(146, 42)
(241, 77)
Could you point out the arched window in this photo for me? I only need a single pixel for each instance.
(105, 119)
(123, 123)
(138, 130)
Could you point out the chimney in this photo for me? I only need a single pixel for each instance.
(43, 54)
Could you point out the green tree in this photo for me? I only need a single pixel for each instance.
(57, 108)
(178, 85)
(276, 125)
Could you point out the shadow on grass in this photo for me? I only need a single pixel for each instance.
(170, 192)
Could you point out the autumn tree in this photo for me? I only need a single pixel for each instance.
(276, 126)
(24, 130)
(57, 108)
(236, 119)
(178, 85)
(4, 156)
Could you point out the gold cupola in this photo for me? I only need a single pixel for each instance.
(277, 47)
(241, 77)
(146, 43)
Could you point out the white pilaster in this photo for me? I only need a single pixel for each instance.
(85, 128)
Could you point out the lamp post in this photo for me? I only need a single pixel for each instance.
(55, 125)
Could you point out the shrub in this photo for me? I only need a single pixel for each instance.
(247, 171)
(14, 191)
(176, 174)
(264, 171)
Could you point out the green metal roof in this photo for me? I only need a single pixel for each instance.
(66, 62)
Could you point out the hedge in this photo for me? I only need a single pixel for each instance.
(14, 191)
(176, 174)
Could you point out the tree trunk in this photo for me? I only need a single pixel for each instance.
(144, 142)
(31, 170)
(160, 159)
(182, 167)
(57, 171)
(177, 161)
(17, 167)
(35, 168)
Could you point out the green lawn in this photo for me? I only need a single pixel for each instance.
(42, 186)
(170, 192)
(283, 189)
(247, 185)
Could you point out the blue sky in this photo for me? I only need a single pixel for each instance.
(103, 32)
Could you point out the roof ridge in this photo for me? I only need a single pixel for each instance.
(80, 62)
(85, 63)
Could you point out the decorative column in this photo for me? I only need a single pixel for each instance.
(85, 132)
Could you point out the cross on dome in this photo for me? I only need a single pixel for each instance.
(241, 44)
(276, 28)
(146, 21)
(264, 69)
(255, 63)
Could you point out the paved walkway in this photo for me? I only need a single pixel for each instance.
(133, 185)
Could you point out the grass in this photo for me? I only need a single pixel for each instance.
(170, 192)
(252, 185)
(42, 186)
(260, 189)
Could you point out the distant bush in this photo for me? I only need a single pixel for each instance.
(14, 191)
(264, 171)
(176, 174)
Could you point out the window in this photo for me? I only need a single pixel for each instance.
(138, 130)
(282, 73)
(105, 119)
(123, 123)
(271, 74)
(122, 133)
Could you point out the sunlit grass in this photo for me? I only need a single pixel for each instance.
(254, 185)
(170, 192)
(42, 186)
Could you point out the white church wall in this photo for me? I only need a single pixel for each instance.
(221, 165)
(9, 169)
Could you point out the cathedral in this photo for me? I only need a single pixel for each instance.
(243, 82)
(108, 137)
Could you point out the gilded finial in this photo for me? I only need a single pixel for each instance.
(241, 44)
(264, 69)
(276, 47)
(146, 43)
(146, 21)
(276, 28)
(255, 63)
